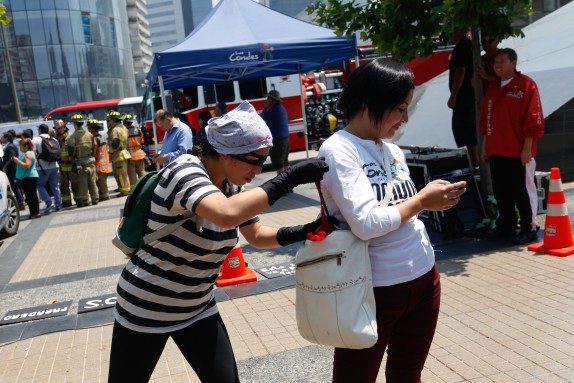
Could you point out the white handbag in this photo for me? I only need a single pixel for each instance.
(335, 302)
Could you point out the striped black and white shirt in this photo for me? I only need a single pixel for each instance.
(168, 284)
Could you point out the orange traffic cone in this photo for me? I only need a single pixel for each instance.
(234, 270)
(558, 238)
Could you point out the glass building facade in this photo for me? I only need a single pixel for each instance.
(63, 52)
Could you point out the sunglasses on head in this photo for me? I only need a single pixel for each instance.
(243, 158)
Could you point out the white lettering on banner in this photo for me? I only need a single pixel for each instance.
(278, 270)
(38, 312)
(243, 56)
(97, 303)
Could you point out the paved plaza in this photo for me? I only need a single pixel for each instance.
(507, 314)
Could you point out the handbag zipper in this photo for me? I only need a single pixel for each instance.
(324, 258)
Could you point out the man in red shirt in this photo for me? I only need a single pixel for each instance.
(511, 121)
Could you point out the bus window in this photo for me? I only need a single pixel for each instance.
(191, 95)
(252, 89)
(222, 92)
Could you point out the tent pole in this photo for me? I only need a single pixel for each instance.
(303, 112)
(154, 128)
(162, 93)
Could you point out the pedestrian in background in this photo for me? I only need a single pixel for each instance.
(177, 140)
(275, 115)
(512, 122)
(220, 109)
(461, 99)
(136, 164)
(49, 172)
(203, 118)
(66, 184)
(117, 147)
(27, 175)
(167, 288)
(405, 278)
(486, 67)
(82, 147)
(103, 165)
(9, 166)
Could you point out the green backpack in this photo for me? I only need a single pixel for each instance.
(130, 236)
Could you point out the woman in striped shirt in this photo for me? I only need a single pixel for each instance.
(166, 289)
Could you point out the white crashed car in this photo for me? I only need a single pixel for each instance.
(9, 211)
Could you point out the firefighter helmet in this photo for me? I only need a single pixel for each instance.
(128, 118)
(60, 124)
(113, 115)
(78, 118)
(93, 122)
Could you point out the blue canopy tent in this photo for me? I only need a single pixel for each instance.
(241, 39)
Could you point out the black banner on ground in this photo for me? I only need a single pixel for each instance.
(38, 312)
(97, 303)
(275, 271)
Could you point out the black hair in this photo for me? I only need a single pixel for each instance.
(28, 133)
(380, 85)
(182, 117)
(222, 106)
(511, 53)
(9, 136)
(204, 116)
(204, 149)
(43, 129)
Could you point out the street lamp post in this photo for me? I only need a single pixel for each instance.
(11, 76)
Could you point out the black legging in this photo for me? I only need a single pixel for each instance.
(205, 345)
(28, 185)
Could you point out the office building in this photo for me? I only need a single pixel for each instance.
(63, 52)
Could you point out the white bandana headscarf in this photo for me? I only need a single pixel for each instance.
(240, 131)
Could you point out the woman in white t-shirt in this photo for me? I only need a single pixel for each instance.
(406, 282)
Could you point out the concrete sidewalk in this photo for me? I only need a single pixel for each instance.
(507, 314)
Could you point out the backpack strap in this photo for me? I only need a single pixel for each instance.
(169, 228)
(166, 230)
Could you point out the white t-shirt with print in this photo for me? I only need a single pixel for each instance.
(353, 189)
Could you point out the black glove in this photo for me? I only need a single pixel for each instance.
(302, 173)
(292, 234)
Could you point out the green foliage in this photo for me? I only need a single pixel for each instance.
(410, 28)
(3, 18)
(489, 222)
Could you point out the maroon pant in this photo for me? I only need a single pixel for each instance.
(407, 315)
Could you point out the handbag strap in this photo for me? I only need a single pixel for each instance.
(389, 188)
(327, 225)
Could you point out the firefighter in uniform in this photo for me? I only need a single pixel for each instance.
(117, 146)
(103, 165)
(81, 148)
(66, 180)
(136, 164)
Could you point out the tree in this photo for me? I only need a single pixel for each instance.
(410, 28)
(3, 18)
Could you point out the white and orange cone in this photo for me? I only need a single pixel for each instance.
(558, 238)
(234, 270)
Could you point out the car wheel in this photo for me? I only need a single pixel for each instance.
(13, 222)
